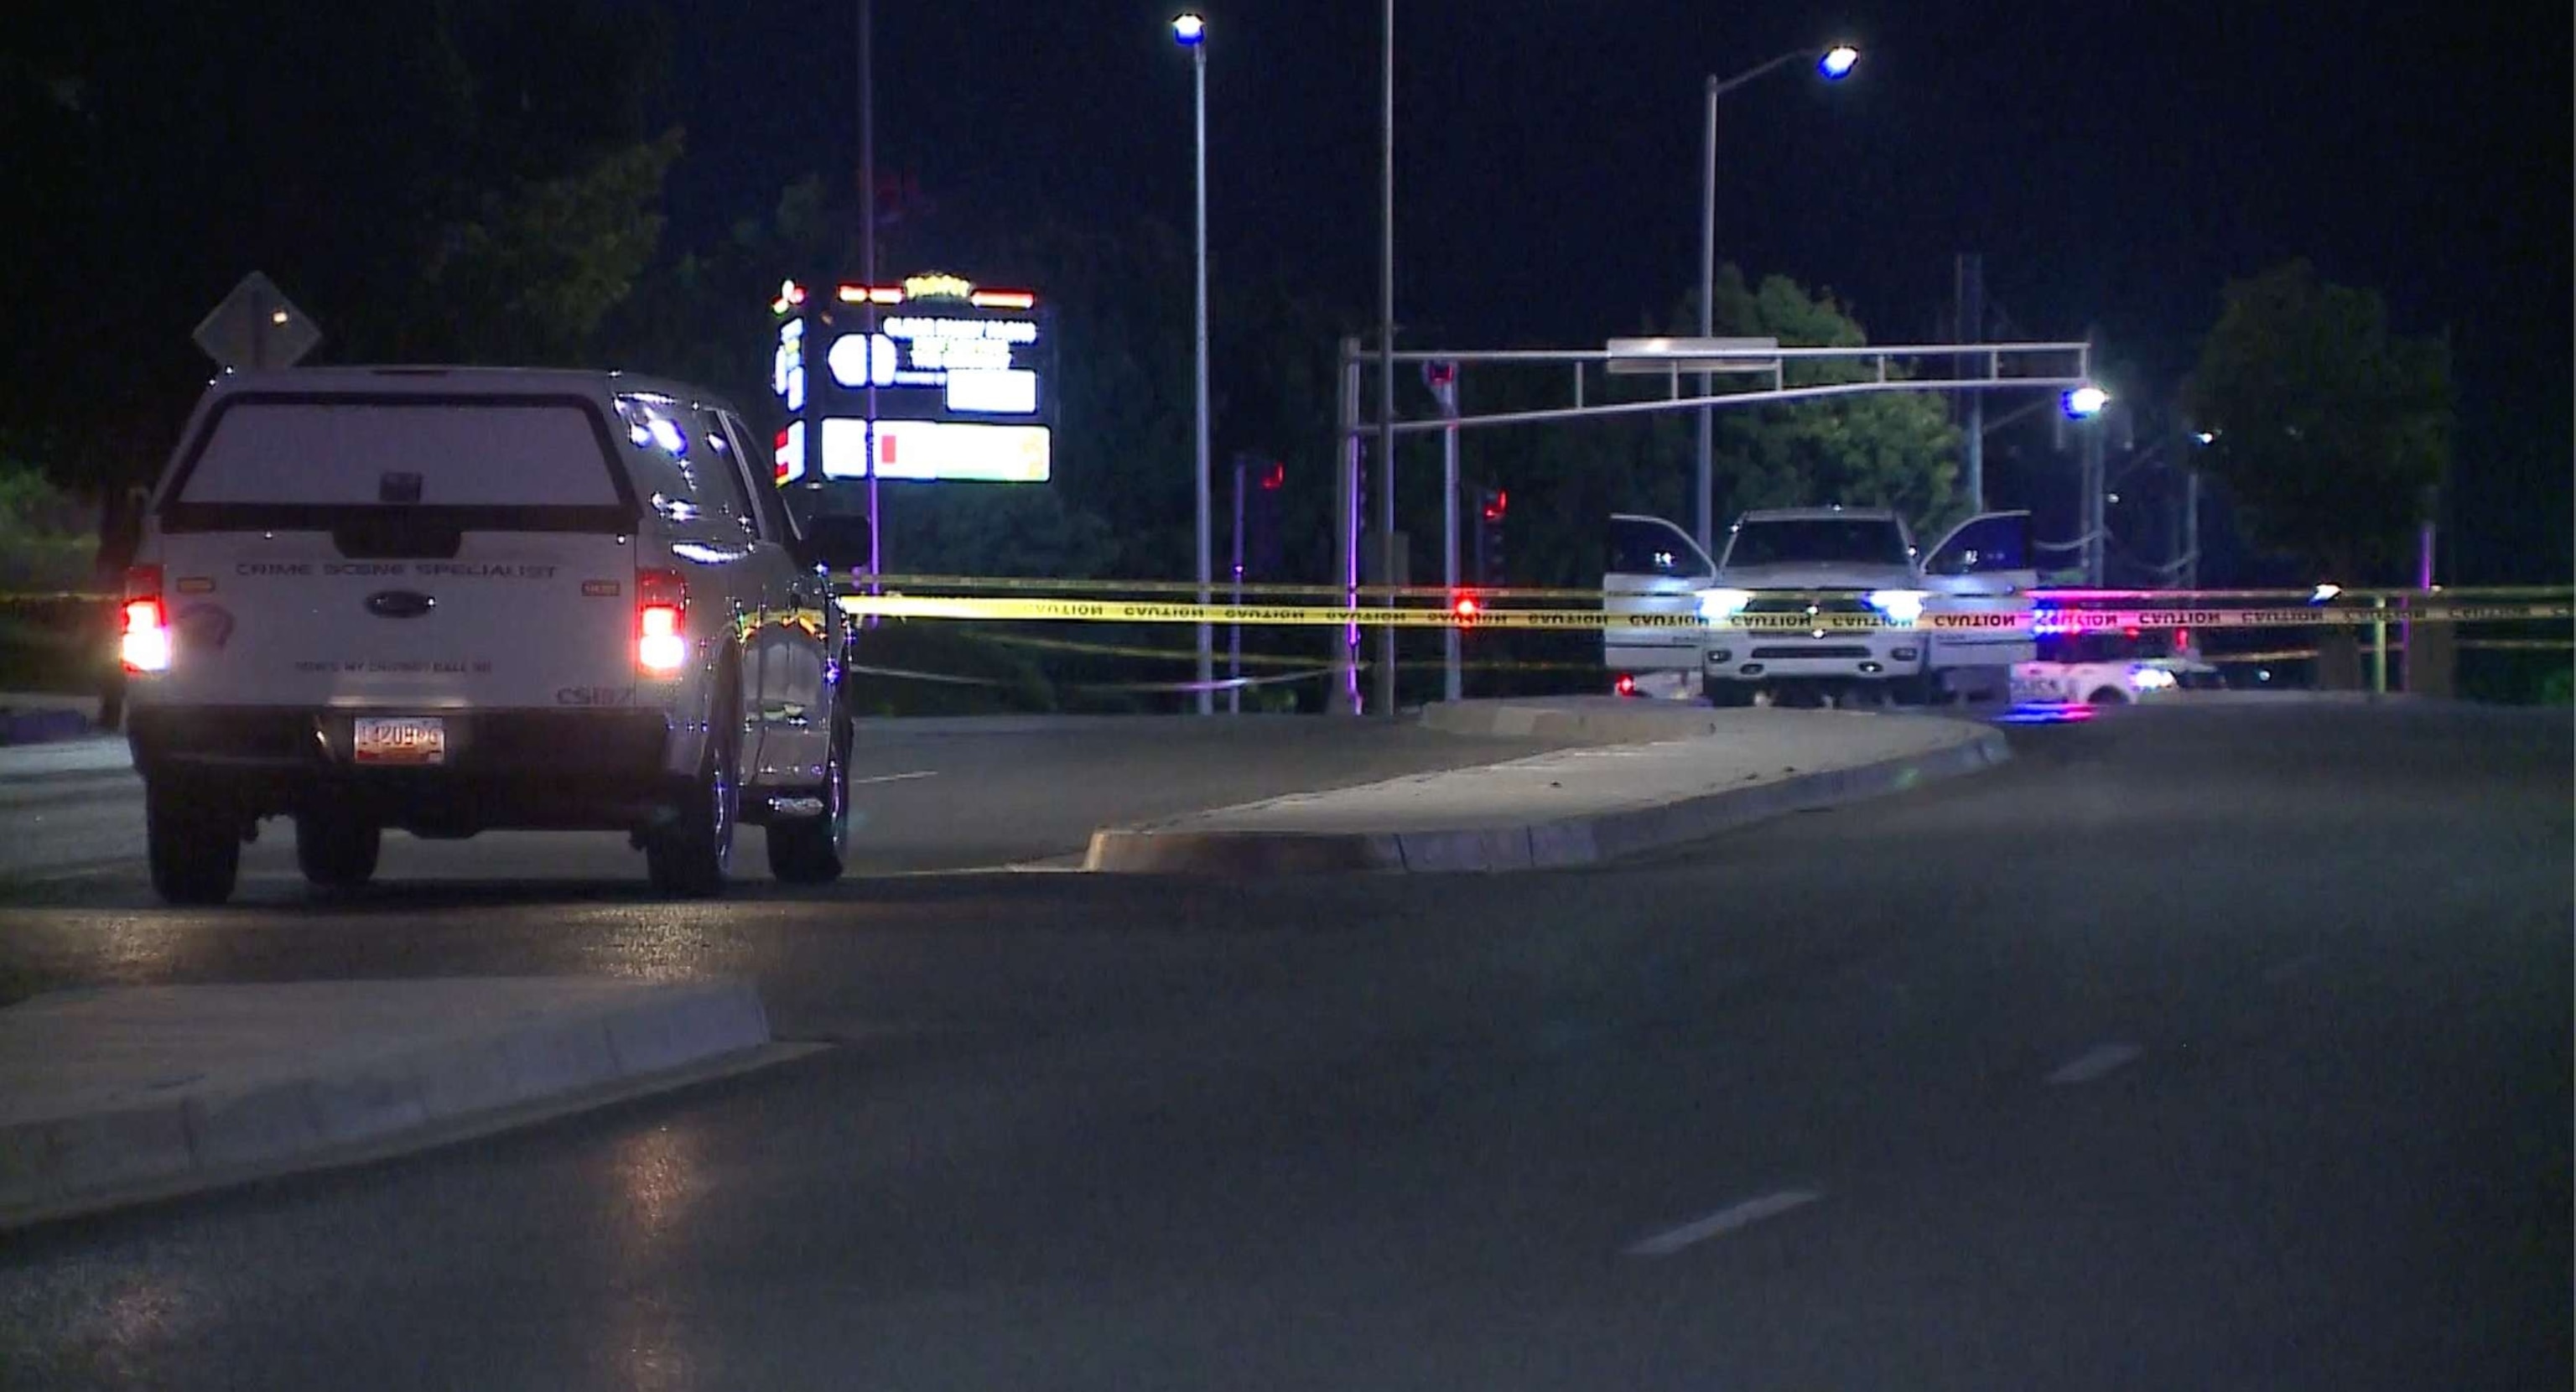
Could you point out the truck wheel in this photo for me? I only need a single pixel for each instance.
(687, 858)
(195, 854)
(2107, 696)
(812, 850)
(1730, 695)
(336, 851)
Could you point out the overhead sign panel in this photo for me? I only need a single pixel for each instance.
(1663, 356)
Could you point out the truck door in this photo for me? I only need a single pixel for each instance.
(1984, 567)
(1656, 572)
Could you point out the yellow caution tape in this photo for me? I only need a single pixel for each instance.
(1066, 645)
(1321, 616)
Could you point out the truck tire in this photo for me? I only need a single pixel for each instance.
(687, 857)
(336, 852)
(195, 853)
(814, 850)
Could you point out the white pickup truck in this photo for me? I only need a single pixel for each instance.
(1819, 561)
(451, 600)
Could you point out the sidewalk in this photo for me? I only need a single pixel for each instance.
(126, 1094)
(1573, 807)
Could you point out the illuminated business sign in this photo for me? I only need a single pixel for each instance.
(958, 378)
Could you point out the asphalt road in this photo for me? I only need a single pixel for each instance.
(2197, 1048)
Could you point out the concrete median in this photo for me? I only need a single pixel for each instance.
(1682, 775)
(121, 1095)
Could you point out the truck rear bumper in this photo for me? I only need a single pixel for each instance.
(533, 769)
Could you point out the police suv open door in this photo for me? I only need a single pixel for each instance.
(1654, 569)
(1986, 566)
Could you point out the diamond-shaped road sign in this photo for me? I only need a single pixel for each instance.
(257, 326)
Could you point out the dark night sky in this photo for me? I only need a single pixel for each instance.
(2115, 164)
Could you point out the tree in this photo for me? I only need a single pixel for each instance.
(531, 274)
(1895, 450)
(2328, 428)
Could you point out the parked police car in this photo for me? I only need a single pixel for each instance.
(456, 600)
(2113, 668)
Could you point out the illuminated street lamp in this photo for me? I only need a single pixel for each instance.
(1833, 65)
(1190, 32)
(2086, 402)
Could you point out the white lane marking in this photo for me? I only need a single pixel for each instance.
(894, 777)
(2094, 1062)
(2279, 972)
(1722, 1222)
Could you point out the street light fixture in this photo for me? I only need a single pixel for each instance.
(1190, 32)
(1833, 64)
(2086, 402)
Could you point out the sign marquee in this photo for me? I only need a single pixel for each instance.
(959, 378)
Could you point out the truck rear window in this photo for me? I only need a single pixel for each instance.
(430, 454)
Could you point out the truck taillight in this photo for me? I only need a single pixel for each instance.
(145, 644)
(661, 602)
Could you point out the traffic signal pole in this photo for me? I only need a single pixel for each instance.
(1234, 632)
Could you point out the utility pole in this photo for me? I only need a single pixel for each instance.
(868, 266)
(1972, 329)
(1386, 362)
(1349, 502)
(2191, 529)
(2094, 426)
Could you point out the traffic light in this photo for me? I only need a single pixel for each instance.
(1491, 503)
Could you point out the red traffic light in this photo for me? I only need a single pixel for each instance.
(1494, 508)
(1275, 477)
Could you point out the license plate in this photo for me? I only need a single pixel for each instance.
(404, 739)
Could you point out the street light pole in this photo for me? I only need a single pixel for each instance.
(1704, 480)
(1191, 32)
(1834, 64)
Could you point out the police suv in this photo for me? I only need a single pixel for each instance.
(456, 600)
(1833, 564)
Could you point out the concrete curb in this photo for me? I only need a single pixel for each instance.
(370, 1103)
(1571, 841)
